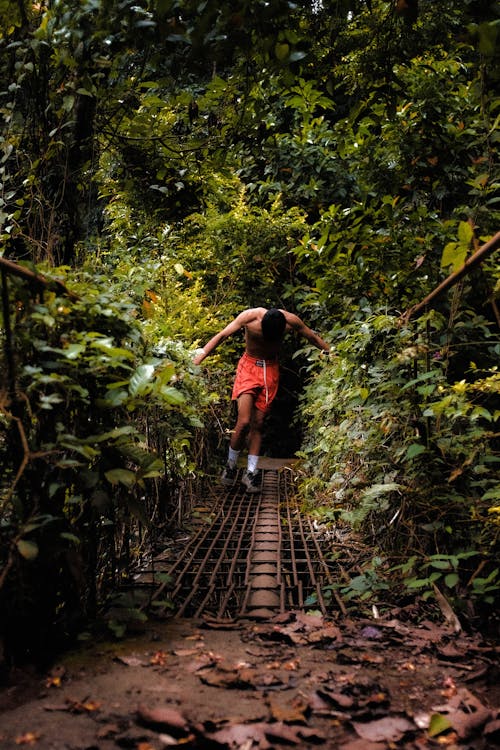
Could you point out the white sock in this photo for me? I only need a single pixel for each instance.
(252, 463)
(232, 457)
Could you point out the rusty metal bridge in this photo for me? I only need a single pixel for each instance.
(252, 556)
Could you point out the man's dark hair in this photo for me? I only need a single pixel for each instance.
(273, 325)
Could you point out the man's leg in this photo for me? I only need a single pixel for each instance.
(252, 478)
(243, 422)
(238, 437)
(255, 433)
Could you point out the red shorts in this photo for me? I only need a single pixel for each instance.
(260, 377)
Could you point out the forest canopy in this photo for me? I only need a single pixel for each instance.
(165, 164)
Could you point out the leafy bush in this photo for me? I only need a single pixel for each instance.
(404, 453)
(96, 418)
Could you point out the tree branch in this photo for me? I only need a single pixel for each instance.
(34, 278)
(487, 249)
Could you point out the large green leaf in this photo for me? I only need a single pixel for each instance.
(172, 395)
(121, 476)
(141, 379)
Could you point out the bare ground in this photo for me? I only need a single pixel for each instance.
(294, 681)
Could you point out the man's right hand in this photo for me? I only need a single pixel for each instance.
(199, 356)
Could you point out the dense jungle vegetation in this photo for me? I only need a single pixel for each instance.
(165, 164)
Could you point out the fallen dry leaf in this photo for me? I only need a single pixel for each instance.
(323, 707)
(449, 688)
(336, 698)
(242, 677)
(55, 677)
(228, 678)
(471, 716)
(30, 738)
(187, 651)
(465, 713)
(220, 623)
(492, 730)
(130, 661)
(293, 734)
(159, 659)
(372, 658)
(264, 735)
(299, 628)
(364, 745)
(108, 730)
(75, 706)
(451, 652)
(388, 729)
(407, 666)
(163, 718)
(203, 661)
(53, 682)
(288, 714)
(449, 739)
(325, 634)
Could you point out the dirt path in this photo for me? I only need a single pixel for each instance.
(298, 681)
(247, 669)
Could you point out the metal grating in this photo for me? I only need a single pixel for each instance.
(256, 556)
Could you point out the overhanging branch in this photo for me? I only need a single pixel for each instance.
(37, 279)
(487, 249)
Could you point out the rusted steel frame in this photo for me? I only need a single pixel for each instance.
(267, 509)
(310, 566)
(230, 591)
(280, 533)
(244, 528)
(243, 605)
(292, 543)
(249, 562)
(189, 552)
(279, 565)
(487, 249)
(327, 569)
(273, 488)
(249, 559)
(202, 565)
(222, 558)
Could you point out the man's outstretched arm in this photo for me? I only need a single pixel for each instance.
(298, 326)
(234, 326)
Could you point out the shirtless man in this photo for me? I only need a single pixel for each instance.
(256, 382)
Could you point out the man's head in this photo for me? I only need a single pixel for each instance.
(273, 325)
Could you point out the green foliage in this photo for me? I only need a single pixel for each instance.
(452, 575)
(96, 420)
(401, 450)
(370, 584)
(189, 160)
(236, 255)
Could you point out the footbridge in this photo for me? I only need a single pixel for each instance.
(253, 555)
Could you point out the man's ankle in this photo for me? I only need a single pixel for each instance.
(232, 457)
(252, 463)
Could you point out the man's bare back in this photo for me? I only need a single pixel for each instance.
(255, 343)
